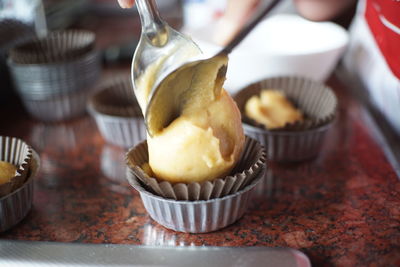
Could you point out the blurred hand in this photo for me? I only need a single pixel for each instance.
(237, 12)
(320, 10)
(235, 16)
(126, 3)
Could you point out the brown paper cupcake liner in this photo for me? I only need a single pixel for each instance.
(250, 164)
(18, 153)
(289, 146)
(317, 101)
(58, 46)
(117, 113)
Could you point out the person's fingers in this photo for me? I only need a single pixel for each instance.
(126, 3)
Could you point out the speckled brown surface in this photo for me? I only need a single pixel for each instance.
(341, 209)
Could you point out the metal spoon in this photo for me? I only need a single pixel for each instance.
(163, 107)
(158, 41)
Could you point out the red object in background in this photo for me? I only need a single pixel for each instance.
(383, 18)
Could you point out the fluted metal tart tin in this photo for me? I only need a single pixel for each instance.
(55, 75)
(196, 216)
(16, 205)
(39, 81)
(299, 141)
(120, 125)
(120, 131)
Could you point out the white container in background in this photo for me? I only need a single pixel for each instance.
(281, 45)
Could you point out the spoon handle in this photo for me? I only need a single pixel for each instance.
(152, 23)
(248, 27)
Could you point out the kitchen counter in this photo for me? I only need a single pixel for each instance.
(342, 208)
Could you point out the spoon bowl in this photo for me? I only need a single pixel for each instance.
(161, 46)
(164, 105)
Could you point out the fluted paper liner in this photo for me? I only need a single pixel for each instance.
(18, 153)
(317, 101)
(250, 164)
(116, 98)
(57, 46)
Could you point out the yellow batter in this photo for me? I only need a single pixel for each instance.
(272, 109)
(205, 141)
(7, 171)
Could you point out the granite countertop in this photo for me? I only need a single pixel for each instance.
(342, 208)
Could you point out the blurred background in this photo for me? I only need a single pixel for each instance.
(117, 30)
